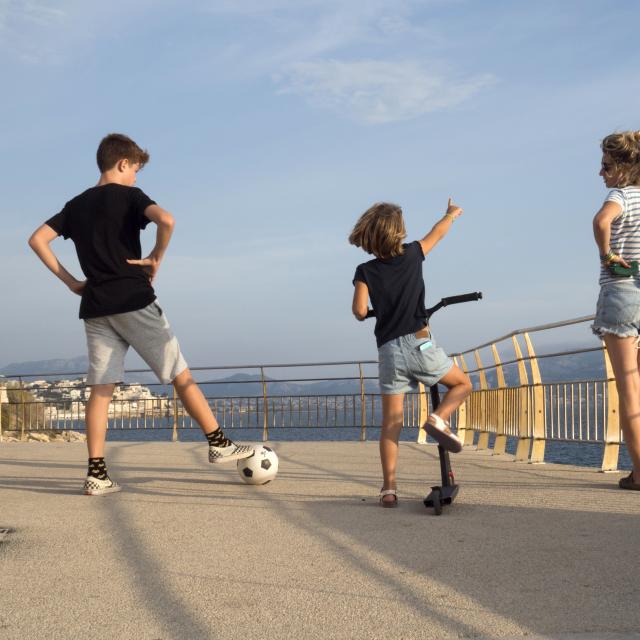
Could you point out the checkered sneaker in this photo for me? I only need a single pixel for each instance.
(229, 453)
(95, 487)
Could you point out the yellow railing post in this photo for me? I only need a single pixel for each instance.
(265, 407)
(524, 438)
(461, 422)
(500, 444)
(423, 413)
(612, 426)
(3, 394)
(174, 435)
(363, 407)
(22, 408)
(539, 436)
(483, 436)
(464, 412)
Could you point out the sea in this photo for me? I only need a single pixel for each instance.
(560, 452)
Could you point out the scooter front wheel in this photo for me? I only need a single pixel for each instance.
(436, 498)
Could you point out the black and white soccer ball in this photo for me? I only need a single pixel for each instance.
(259, 468)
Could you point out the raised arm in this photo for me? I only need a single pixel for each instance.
(165, 224)
(360, 304)
(602, 232)
(39, 241)
(440, 228)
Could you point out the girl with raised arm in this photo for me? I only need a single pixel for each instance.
(407, 351)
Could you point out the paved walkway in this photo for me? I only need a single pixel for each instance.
(189, 551)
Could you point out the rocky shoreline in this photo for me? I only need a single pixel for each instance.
(48, 435)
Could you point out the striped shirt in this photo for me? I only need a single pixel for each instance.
(625, 231)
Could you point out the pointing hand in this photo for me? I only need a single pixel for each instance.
(453, 209)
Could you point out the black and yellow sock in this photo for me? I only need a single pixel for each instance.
(217, 439)
(97, 469)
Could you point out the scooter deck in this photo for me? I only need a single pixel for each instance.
(446, 495)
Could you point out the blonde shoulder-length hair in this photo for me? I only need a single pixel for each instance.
(623, 152)
(380, 230)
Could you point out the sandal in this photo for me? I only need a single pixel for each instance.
(388, 503)
(439, 430)
(628, 483)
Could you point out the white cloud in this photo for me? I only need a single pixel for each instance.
(39, 13)
(378, 92)
(39, 32)
(335, 54)
(19, 24)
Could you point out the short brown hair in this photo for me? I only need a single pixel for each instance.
(623, 149)
(117, 146)
(380, 230)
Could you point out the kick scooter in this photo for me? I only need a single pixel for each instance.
(444, 494)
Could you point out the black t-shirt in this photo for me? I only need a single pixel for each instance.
(396, 289)
(104, 223)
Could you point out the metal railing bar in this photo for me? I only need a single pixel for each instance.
(542, 327)
(209, 368)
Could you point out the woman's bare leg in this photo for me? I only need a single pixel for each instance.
(625, 361)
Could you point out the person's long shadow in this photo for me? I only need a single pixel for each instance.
(41, 485)
(168, 607)
(490, 556)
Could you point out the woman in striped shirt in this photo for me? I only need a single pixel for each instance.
(616, 229)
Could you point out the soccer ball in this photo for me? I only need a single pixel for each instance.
(259, 468)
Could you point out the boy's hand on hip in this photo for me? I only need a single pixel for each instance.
(150, 265)
(453, 209)
(77, 286)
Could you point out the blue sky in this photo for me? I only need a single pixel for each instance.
(273, 124)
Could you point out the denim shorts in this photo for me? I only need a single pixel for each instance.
(402, 364)
(146, 330)
(618, 310)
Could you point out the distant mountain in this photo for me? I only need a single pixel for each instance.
(250, 385)
(245, 384)
(571, 368)
(582, 366)
(58, 368)
(77, 365)
(239, 384)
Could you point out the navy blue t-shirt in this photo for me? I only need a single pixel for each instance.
(396, 290)
(104, 223)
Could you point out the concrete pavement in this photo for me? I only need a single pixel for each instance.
(189, 551)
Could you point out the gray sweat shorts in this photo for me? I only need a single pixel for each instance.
(146, 330)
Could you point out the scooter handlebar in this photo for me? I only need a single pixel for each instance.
(465, 297)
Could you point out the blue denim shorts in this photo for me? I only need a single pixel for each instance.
(618, 310)
(402, 364)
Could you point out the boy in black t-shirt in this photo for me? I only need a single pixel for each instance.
(118, 304)
(407, 351)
